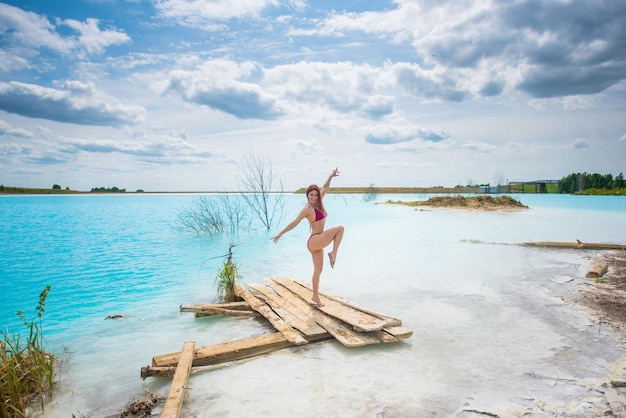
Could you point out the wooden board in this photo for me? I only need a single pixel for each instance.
(302, 305)
(218, 309)
(261, 307)
(390, 321)
(290, 313)
(344, 334)
(384, 337)
(234, 350)
(399, 332)
(575, 245)
(360, 321)
(176, 395)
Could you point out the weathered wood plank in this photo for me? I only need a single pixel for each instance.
(213, 310)
(391, 321)
(360, 321)
(575, 245)
(344, 334)
(289, 312)
(598, 270)
(399, 332)
(233, 350)
(240, 305)
(303, 305)
(261, 307)
(341, 331)
(176, 395)
(385, 337)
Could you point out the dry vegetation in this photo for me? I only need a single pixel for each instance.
(481, 202)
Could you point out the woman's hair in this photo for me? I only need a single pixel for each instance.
(319, 194)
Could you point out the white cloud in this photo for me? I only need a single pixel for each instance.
(222, 85)
(393, 165)
(28, 31)
(8, 130)
(73, 102)
(92, 39)
(394, 134)
(303, 147)
(202, 14)
(480, 147)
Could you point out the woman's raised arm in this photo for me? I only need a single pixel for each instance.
(326, 185)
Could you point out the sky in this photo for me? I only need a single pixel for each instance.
(172, 95)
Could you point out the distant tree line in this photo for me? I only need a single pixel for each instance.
(579, 182)
(107, 190)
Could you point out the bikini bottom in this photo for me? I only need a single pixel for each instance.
(307, 242)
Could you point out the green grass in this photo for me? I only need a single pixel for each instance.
(603, 192)
(29, 190)
(26, 369)
(226, 277)
(531, 188)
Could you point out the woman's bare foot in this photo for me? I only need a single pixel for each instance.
(316, 303)
(332, 260)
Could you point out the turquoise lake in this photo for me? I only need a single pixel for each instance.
(484, 316)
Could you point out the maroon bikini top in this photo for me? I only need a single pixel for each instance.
(319, 215)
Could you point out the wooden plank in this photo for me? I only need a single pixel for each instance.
(385, 337)
(241, 305)
(261, 307)
(340, 331)
(598, 270)
(234, 350)
(575, 245)
(360, 321)
(213, 310)
(391, 322)
(289, 312)
(302, 305)
(176, 395)
(399, 332)
(344, 334)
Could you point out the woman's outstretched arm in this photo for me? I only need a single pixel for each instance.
(326, 185)
(290, 226)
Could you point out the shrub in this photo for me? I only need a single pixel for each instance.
(26, 369)
(226, 277)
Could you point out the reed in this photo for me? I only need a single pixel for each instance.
(226, 277)
(26, 369)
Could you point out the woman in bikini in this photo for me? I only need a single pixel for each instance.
(315, 213)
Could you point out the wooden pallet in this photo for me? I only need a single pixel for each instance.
(284, 303)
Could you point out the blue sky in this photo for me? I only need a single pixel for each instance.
(170, 95)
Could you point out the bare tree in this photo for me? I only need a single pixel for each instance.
(214, 214)
(261, 189)
(499, 178)
(371, 194)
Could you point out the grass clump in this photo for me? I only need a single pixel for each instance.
(480, 202)
(226, 277)
(26, 369)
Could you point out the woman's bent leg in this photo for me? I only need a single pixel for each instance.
(322, 240)
(337, 237)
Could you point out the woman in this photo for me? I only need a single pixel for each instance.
(315, 213)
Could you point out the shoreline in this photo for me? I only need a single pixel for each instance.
(604, 300)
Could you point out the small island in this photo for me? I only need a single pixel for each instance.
(481, 202)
